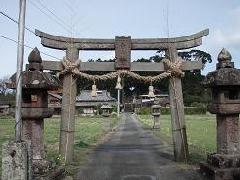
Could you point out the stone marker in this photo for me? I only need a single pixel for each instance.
(225, 86)
(17, 161)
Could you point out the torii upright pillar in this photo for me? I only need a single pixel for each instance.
(179, 135)
(67, 127)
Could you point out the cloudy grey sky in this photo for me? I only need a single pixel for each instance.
(110, 18)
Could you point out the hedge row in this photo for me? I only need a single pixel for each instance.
(166, 110)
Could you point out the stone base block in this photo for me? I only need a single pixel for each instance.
(44, 170)
(17, 161)
(216, 173)
(57, 173)
(41, 166)
(224, 160)
(156, 126)
(156, 123)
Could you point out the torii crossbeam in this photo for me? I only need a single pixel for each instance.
(122, 47)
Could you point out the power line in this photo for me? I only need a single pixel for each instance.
(77, 19)
(10, 39)
(54, 17)
(69, 7)
(15, 21)
(31, 31)
(68, 29)
(51, 12)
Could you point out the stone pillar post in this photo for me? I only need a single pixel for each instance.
(33, 122)
(228, 134)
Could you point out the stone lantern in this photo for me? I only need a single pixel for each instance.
(225, 87)
(106, 110)
(156, 116)
(35, 86)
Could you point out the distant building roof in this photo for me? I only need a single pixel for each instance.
(86, 100)
(102, 96)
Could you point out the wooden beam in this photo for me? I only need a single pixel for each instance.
(60, 42)
(110, 66)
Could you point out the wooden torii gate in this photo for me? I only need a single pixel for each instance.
(122, 47)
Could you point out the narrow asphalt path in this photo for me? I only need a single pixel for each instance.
(132, 153)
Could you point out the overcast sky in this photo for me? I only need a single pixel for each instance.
(110, 18)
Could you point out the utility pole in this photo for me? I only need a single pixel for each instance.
(18, 165)
(20, 55)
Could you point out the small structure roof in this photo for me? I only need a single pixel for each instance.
(55, 95)
(156, 95)
(106, 106)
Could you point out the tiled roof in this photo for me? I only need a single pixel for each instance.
(103, 96)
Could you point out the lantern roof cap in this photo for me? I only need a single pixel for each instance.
(34, 77)
(223, 77)
(226, 74)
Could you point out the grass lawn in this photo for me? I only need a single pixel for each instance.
(201, 133)
(88, 132)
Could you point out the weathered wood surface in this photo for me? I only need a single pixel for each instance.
(110, 66)
(60, 42)
(67, 128)
(177, 113)
(123, 52)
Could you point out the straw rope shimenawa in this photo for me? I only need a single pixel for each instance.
(173, 70)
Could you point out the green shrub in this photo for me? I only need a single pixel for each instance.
(114, 109)
(199, 105)
(195, 110)
(187, 110)
(145, 111)
(80, 110)
(167, 110)
(113, 115)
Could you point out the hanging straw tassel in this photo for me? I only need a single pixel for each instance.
(94, 90)
(118, 86)
(151, 91)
